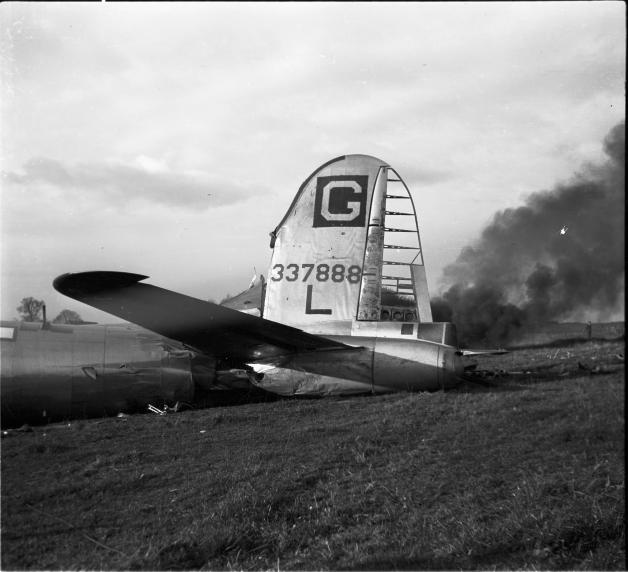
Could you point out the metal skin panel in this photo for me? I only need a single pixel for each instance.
(337, 372)
(331, 328)
(437, 332)
(403, 365)
(419, 281)
(64, 372)
(379, 366)
(87, 351)
(36, 376)
(318, 249)
(395, 330)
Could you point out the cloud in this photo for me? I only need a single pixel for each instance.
(118, 184)
(416, 175)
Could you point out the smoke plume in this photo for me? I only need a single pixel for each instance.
(560, 256)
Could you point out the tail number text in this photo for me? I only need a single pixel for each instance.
(319, 272)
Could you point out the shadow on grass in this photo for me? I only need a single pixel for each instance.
(408, 563)
(215, 552)
(229, 397)
(578, 545)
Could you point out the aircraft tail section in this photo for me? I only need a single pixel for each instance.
(348, 251)
(318, 247)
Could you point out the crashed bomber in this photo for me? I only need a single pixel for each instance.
(349, 236)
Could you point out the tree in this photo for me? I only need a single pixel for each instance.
(68, 317)
(30, 309)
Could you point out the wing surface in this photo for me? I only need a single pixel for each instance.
(209, 328)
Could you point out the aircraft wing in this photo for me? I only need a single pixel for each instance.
(206, 327)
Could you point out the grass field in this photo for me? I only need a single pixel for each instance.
(525, 472)
(550, 332)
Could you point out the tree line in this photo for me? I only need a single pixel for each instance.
(31, 310)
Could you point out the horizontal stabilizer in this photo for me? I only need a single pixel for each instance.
(483, 352)
(247, 301)
(206, 327)
(88, 282)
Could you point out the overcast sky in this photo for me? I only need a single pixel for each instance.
(168, 139)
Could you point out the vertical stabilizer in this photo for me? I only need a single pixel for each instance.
(318, 248)
(347, 255)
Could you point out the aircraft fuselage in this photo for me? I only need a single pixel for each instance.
(58, 372)
(63, 372)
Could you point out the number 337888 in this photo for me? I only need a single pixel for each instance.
(319, 272)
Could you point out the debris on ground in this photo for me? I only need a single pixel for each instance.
(591, 370)
(156, 410)
(178, 406)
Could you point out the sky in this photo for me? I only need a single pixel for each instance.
(168, 139)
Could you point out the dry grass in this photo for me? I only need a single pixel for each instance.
(526, 474)
(552, 332)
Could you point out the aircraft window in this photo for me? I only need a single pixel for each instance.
(7, 333)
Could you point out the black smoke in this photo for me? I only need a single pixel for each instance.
(560, 256)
